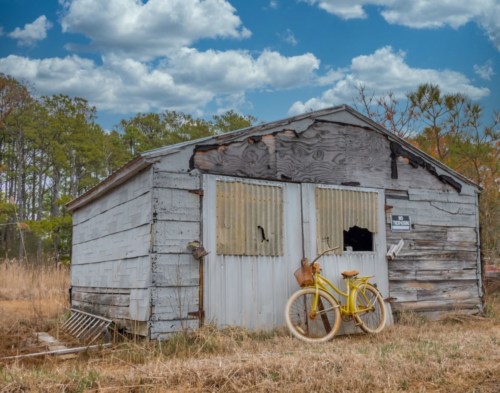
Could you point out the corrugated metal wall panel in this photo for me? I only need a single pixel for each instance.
(249, 219)
(338, 210)
(244, 290)
(329, 213)
(360, 209)
(252, 291)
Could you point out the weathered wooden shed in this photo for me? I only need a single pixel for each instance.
(258, 200)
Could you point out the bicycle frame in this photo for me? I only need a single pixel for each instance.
(349, 309)
(320, 297)
(352, 283)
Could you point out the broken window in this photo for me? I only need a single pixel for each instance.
(358, 239)
(345, 218)
(249, 219)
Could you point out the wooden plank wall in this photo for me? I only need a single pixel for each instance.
(175, 272)
(437, 270)
(326, 152)
(111, 267)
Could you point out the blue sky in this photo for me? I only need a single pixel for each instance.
(267, 58)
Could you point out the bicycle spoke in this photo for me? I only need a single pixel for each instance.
(308, 324)
(370, 309)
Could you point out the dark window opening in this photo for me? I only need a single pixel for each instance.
(358, 239)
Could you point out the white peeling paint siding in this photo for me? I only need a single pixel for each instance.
(110, 260)
(175, 272)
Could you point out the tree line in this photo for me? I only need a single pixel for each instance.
(52, 150)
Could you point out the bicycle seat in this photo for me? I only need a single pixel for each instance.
(352, 273)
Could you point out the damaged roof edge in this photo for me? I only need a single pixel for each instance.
(144, 160)
(118, 177)
(410, 147)
(244, 132)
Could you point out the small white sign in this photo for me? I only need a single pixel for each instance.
(400, 223)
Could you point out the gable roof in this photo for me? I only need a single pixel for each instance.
(147, 158)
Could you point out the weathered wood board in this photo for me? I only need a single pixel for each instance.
(437, 270)
(176, 205)
(105, 299)
(329, 153)
(449, 305)
(172, 237)
(113, 229)
(450, 196)
(405, 291)
(133, 304)
(165, 329)
(126, 216)
(106, 310)
(170, 303)
(127, 244)
(435, 213)
(175, 181)
(175, 272)
(127, 191)
(325, 152)
(123, 273)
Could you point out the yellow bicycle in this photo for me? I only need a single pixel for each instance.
(314, 313)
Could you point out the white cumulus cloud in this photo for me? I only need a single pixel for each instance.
(32, 32)
(238, 70)
(383, 71)
(423, 13)
(185, 81)
(153, 28)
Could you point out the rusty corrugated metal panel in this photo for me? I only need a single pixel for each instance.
(360, 209)
(339, 210)
(329, 213)
(249, 219)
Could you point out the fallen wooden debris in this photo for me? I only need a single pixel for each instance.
(58, 352)
(53, 343)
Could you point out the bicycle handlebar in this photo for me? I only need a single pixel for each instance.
(323, 253)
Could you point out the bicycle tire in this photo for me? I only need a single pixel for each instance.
(312, 330)
(370, 309)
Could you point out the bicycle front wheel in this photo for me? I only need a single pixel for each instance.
(370, 309)
(309, 326)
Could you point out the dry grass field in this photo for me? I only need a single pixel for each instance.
(460, 354)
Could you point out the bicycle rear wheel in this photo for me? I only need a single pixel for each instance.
(306, 326)
(370, 308)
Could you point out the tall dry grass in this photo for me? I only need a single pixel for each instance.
(460, 354)
(28, 290)
(415, 356)
(27, 281)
